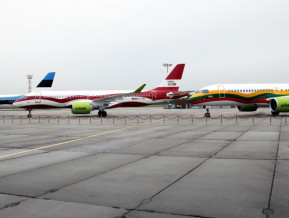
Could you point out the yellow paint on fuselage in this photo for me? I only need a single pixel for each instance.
(244, 95)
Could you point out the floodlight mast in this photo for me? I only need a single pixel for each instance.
(29, 77)
(167, 65)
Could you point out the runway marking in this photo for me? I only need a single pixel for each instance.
(74, 140)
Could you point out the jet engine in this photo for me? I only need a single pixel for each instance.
(280, 104)
(81, 108)
(247, 108)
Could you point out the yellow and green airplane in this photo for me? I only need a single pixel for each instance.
(247, 97)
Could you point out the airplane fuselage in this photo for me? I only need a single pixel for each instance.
(65, 99)
(238, 94)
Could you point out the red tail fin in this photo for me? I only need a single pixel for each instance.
(171, 81)
(177, 72)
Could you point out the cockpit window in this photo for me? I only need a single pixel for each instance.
(203, 91)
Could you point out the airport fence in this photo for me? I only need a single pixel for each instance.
(221, 119)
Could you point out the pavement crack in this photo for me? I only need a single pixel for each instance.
(191, 170)
(12, 204)
(275, 167)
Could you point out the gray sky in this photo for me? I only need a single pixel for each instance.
(120, 44)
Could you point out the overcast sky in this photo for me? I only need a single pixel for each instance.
(120, 44)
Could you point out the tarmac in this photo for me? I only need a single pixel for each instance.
(144, 162)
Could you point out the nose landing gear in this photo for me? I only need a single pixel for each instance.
(29, 113)
(207, 114)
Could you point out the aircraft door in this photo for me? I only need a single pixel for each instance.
(221, 91)
(154, 95)
(276, 90)
(38, 97)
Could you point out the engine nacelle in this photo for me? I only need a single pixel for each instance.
(247, 108)
(280, 104)
(81, 108)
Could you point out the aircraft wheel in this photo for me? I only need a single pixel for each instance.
(274, 113)
(207, 115)
(102, 113)
(29, 115)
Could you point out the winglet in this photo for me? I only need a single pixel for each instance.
(47, 81)
(138, 90)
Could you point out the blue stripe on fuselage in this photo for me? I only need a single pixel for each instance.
(13, 97)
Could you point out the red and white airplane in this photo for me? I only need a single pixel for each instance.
(83, 102)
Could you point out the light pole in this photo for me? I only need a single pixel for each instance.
(167, 66)
(29, 77)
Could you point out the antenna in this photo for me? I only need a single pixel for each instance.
(167, 66)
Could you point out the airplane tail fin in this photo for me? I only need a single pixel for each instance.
(47, 81)
(172, 80)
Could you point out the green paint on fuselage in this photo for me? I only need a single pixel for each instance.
(234, 96)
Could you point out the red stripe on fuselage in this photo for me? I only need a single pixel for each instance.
(43, 106)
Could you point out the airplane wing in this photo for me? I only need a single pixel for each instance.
(116, 97)
(179, 94)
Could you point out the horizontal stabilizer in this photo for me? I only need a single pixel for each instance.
(179, 94)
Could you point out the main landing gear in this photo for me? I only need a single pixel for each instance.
(29, 113)
(207, 114)
(102, 113)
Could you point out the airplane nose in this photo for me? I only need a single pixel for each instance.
(16, 103)
(192, 98)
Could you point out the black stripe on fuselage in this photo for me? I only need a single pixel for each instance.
(6, 101)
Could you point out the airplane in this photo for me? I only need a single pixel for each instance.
(6, 101)
(247, 97)
(83, 102)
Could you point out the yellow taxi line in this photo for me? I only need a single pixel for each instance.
(74, 140)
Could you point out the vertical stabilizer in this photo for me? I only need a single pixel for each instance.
(171, 83)
(47, 81)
